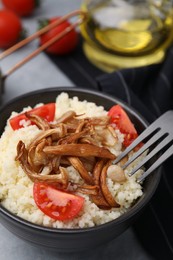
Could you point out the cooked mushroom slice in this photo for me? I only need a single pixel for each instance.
(43, 135)
(116, 173)
(22, 156)
(66, 117)
(39, 121)
(55, 162)
(64, 174)
(89, 140)
(99, 199)
(104, 120)
(79, 150)
(36, 156)
(59, 178)
(88, 162)
(80, 126)
(107, 194)
(88, 189)
(72, 138)
(50, 179)
(62, 132)
(110, 137)
(97, 171)
(78, 165)
(105, 135)
(64, 161)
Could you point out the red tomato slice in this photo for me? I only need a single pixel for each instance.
(122, 122)
(46, 111)
(57, 204)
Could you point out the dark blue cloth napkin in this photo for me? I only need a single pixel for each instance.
(150, 91)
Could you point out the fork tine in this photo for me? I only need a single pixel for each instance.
(151, 154)
(137, 141)
(148, 144)
(158, 162)
(153, 128)
(159, 129)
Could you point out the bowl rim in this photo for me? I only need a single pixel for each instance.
(129, 214)
(128, 107)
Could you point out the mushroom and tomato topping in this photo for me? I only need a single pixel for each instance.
(70, 140)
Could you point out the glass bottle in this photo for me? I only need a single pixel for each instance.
(126, 33)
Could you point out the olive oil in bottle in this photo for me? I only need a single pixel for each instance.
(121, 34)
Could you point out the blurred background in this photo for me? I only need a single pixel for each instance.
(39, 72)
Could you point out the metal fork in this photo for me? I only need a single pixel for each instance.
(160, 135)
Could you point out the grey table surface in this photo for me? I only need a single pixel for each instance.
(38, 74)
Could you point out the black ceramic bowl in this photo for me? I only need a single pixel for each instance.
(75, 239)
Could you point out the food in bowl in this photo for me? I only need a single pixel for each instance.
(58, 171)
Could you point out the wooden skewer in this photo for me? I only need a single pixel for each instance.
(40, 32)
(43, 47)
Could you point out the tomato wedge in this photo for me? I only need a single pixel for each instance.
(46, 111)
(120, 120)
(57, 204)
